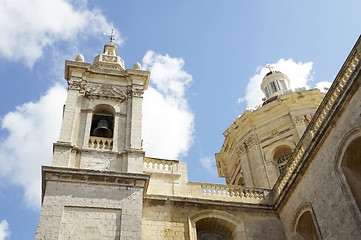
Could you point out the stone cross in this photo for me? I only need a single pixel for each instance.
(269, 67)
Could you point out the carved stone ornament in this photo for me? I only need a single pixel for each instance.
(104, 90)
(109, 58)
(74, 85)
(302, 119)
(99, 162)
(137, 92)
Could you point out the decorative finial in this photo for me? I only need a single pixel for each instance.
(269, 67)
(137, 66)
(112, 36)
(79, 58)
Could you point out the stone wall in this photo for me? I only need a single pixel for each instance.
(83, 204)
(172, 219)
(320, 185)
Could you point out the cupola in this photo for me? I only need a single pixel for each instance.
(109, 58)
(274, 83)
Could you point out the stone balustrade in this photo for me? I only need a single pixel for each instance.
(232, 192)
(328, 104)
(100, 143)
(160, 165)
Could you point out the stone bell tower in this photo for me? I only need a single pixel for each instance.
(102, 119)
(94, 188)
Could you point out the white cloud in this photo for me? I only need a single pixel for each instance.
(323, 86)
(167, 120)
(209, 164)
(32, 128)
(298, 73)
(4, 230)
(27, 27)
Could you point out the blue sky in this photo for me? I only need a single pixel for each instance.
(207, 59)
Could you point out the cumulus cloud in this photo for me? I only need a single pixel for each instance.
(209, 164)
(27, 27)
(298, 73)
(32, 128)
(167, 119)
(4, 230)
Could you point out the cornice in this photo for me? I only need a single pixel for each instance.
(76, 175)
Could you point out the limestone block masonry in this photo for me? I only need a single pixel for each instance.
(86, 204)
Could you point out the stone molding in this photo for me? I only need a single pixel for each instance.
(217, 202)
(247, 144)
(125, 179)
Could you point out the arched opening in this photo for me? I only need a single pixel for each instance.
(306, 228)
(240, 181)
(213, 229)
(281, 157)
(351, 167)
(102, 121)
(214, 225)
(304, 225)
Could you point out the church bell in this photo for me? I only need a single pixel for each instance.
(102, 129)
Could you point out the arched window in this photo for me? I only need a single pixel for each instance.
(281, 157)
(304, 224)
(351, 167)
(283, 160)
(102, 122)
(306, 228)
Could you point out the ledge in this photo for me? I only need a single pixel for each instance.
(208, 202)
(62, 174)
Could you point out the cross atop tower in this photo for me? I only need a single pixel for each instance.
(269, 67)
(112, 36)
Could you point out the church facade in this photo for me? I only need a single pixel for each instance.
(292, 165)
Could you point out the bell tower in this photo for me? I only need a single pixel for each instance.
(94, 188)
(102, 118)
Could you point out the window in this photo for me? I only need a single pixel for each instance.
(283, 84)
(273, 87)
(282, 161)
(281, 157)
(351, 167)
(267, 92)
